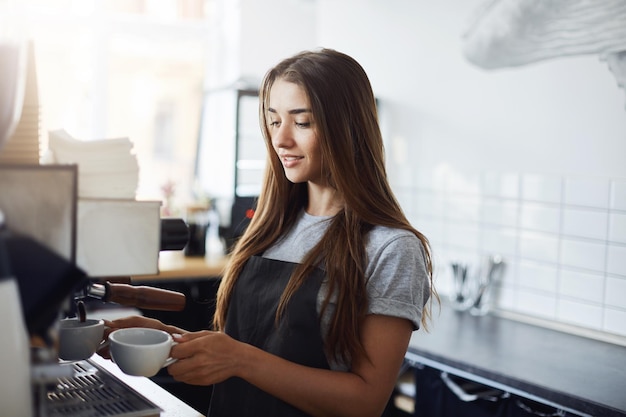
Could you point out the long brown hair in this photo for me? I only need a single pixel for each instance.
(344, 110)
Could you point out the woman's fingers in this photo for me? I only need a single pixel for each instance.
(203, 358)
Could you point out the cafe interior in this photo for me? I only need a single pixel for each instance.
(131, 159)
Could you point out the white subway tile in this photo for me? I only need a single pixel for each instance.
(429, 227)
(505, 298)
(501, 185)
(461, 255)
(617, 227)
(491, 184)
(463, 183)
(583, 254)
(615, 321)
(616, 263)
(587, 192)
(536, 304)
(463, 234)
(539, 247)
(582, 285)
(542, 188)
(618, 195)
(500, 213)
(405, 199)
(585, 223)
(616, 292)
(538, 277)
(580, 314)
(429, 203)
(464, 208)
(499, 240)
(442, 279)
(436, 179)
(540, 217)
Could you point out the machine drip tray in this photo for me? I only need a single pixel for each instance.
(93, 392)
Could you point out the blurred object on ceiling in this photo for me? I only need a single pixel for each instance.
(509, 33)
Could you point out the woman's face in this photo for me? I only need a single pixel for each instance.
(293, 132)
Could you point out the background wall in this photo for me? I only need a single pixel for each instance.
(527, 162)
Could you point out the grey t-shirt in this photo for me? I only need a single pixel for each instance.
(397, 281)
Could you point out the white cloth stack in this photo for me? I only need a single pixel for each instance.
(107, 168)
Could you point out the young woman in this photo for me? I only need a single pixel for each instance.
(322, 292)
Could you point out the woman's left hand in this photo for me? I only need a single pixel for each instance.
(204, 357)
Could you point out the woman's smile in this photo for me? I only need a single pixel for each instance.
(290, 161)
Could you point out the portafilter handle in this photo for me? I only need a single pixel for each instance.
(140, 296)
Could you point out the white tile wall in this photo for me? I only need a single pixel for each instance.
(563, 239)
(536, 303)
(616, 260)
(585, 223)
(540, 217)
(618, 195)
(585, 286)
(465, 208)
(539, 246)
(538, 277)
(547, 189)
(501, 185)
(463, 235)
(501, 240)
(587, 192)
(614, 321)
(500, 212)
(580, 314)
(615, 290)
(583, 254)
(617, 227)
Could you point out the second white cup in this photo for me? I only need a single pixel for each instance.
(141, 351)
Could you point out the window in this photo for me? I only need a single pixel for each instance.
(125, 68)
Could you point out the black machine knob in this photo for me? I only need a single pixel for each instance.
(174, 234)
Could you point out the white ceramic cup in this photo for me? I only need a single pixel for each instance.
(79, 340)
(141, 351)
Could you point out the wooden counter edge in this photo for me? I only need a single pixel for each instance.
(175, 265)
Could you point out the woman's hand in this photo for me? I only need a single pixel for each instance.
(133, 321)
(204, 358)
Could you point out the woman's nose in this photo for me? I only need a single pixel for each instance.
(282, 137)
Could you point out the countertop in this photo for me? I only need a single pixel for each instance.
(171, 406)
(573, 372)
(174, 265)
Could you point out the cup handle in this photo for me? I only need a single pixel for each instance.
(169, 361)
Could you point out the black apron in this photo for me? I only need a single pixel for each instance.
(251, 319)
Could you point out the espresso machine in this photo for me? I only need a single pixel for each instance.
(43, 280)
(57, 251)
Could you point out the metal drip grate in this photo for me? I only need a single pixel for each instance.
(94, 392)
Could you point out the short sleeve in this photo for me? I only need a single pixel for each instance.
(398, 284)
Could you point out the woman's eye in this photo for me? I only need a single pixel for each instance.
(303, 125)
(274, 123)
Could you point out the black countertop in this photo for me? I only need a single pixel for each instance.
(571, 371)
